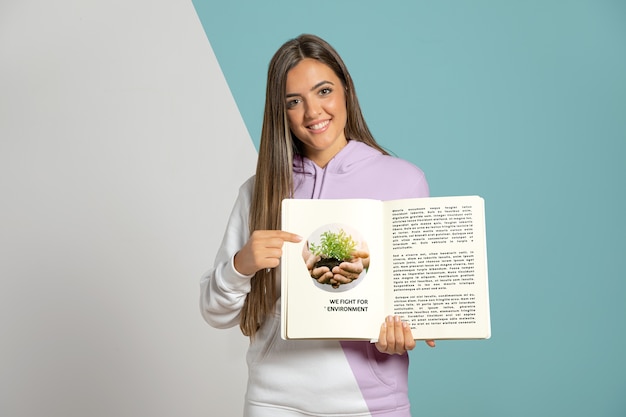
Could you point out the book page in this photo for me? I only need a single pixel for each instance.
(311, 309)
(439, 269)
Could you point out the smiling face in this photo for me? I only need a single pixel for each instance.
(316, 109)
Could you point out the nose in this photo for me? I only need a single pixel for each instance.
(312, 109)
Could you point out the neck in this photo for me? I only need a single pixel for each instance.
(322, 158)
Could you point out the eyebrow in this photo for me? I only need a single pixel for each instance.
(316, 86)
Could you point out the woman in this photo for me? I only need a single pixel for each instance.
(314, 144)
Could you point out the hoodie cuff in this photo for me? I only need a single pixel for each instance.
(235, 281)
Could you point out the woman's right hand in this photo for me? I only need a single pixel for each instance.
(263, 250)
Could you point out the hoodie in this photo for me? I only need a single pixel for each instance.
(314, 377)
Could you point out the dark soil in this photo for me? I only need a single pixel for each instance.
(328, 262)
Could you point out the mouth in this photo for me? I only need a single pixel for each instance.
(319, 126)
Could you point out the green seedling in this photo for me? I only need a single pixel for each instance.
(338, 246)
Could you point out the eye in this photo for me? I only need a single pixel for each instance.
(292, 103)
(325, 91)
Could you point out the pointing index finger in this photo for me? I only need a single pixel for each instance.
(289, 237)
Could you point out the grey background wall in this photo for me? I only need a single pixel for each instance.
(119, 147)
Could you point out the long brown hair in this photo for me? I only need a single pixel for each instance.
(273, 180)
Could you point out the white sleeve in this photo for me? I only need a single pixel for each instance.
(223, 289)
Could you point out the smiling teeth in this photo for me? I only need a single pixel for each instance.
(319, 125)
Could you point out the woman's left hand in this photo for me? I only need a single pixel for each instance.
(396, 337)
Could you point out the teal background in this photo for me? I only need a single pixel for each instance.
(523, 103)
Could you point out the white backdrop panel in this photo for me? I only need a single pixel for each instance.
(121, 150)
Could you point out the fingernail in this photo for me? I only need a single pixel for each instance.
(397, 318)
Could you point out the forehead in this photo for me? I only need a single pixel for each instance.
(308, 73)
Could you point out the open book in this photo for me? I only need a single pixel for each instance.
(423, 259)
